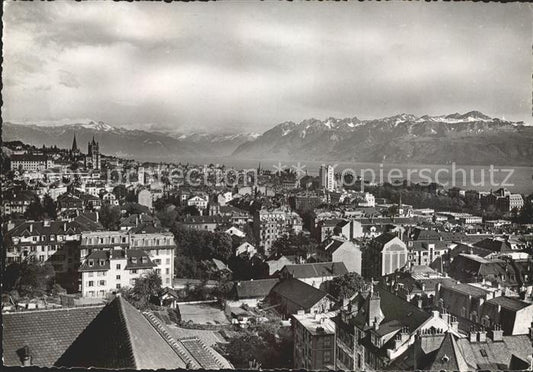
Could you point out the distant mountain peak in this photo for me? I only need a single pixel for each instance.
(99, 126)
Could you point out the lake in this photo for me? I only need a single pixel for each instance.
(476, 177)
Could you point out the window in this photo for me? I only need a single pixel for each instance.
(118, 277)
(134, 271)
(91, 263)
(118, 286)
(118, 266)
(327, 356)
(483, 352)
(102, 282)
(91, 274)
(167, 271)
(90, 283)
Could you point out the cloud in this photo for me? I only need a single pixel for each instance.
(250, 66)
(68, 79)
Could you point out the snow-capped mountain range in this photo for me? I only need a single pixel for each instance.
(470, 138)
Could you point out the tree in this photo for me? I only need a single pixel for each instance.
(49, 207)
(345, 286)
(526, 212)
(110, 217)
(146, 290)
(268, 344)
(35, 210)
(32, 279)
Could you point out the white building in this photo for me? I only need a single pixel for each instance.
(327, 177)
(30, 162)
(105, 271)
(140, 175)
(145, 198)
(199, 202)
(158, 246)
(368, 200)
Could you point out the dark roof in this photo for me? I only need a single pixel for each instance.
(205, 219)
(139, 255)
(314, 270)
(508, 303)
(254, 288)
(136, 219)
(464, 288)
(449, 356)
(47, 333)
(497, 354)
(298, 292)
(464, 248)
(494, 245)
(385, 238)
(88, 221)
(121, 337)
(148, 228)
(95, 257)
(45, 228)
(28, 157)
(394, 308)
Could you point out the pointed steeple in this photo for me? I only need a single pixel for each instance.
(94, 142)
(74, 144)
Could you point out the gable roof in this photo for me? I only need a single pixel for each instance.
(121, 337)
(394, 309)
(497, 354)
(314, 270)
(385, 238)
(298, 292)
(449, 356)
(254, 288)
(47, 333)
(494, 245)
(509, 303)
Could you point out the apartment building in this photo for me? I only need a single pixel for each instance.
(157, 244)
(314, 341)
(269, 225)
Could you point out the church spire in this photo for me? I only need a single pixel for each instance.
(74, 144)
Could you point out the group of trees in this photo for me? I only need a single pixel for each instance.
(195, 248)
(268, 345)
(29, 279)
(525, 215)
(39, 210)
(345, 286)
(145, 293)
(293, 245)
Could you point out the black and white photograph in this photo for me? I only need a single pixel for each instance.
(260, 185)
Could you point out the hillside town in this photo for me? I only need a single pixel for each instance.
(129, 264)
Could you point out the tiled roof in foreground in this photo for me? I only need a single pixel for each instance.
(47, 333)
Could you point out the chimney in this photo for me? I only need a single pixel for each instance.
(497, 333)
(375, 315)
(472, 335)
(482, 335)
(26, 357)
(31, 227)
(97, 216)
(454, 323)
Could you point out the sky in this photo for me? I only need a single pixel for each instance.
(248, 66)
